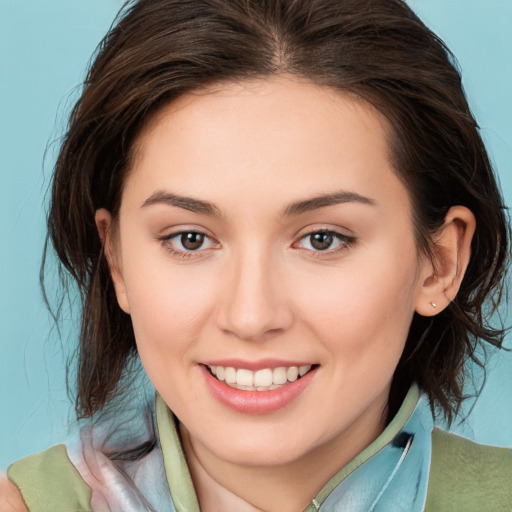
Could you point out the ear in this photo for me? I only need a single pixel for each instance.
(441, 278)
(103, 220)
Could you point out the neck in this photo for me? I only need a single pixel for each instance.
(222, 485)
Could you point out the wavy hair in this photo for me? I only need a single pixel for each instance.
(380, 51)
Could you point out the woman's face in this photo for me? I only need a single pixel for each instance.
(263, 234)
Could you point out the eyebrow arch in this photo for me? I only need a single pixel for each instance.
(187, 203)
(324, 200)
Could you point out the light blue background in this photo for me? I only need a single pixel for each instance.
(44, 48)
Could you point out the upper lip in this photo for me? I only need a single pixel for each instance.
(255, 365)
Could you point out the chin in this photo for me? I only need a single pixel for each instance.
(267, 456)
(266, 449)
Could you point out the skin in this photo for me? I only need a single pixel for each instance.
(258, 289)
(10, 497)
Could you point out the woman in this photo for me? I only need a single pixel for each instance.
(285, 210)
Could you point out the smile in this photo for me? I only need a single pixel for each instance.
(263, 390)
(266, 379)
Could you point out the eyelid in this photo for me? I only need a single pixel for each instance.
(345, 241)
(167, 242)
(316, 227)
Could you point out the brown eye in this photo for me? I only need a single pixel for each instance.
(188, 244)
(321, 240)
(325, 241)
(192, 241)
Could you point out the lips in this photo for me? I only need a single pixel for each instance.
(239, 388)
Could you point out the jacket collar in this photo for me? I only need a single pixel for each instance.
(390, 474)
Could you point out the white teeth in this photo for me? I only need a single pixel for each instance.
(220, 372)
(304, 369)
(279, 375)
(260, 380)
(292, 373)
(244, 377)
(263, 378)
(230, 375)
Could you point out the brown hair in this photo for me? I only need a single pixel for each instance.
(377, 49)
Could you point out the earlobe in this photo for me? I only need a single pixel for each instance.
(103, 220)
(441, 278)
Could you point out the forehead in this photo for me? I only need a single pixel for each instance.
(279, 136)
(264, 102)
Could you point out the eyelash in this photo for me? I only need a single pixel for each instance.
(186, 254)
(344, 242)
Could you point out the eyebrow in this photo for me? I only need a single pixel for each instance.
(325, 200)
(187, 203)
(296, 208)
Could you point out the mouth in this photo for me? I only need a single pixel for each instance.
(265, 379)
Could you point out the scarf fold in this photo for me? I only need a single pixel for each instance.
(396, 477)
(121, 459)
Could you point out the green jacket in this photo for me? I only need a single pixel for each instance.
(461, 475)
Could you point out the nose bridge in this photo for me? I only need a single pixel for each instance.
(254, 304)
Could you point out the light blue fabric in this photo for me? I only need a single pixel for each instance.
(389, 475)
(103, 454)
(394, 479)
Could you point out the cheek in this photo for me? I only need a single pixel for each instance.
(168, 303)
(168, 316)
(364, 307)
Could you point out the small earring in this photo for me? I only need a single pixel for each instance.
(433, 304)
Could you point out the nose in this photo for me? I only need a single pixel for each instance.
(254, 303)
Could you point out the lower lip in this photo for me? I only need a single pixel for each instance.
(256, 402)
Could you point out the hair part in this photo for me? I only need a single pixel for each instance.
(158, 50)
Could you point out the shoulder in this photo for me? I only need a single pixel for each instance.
(49, 481)
(468, 476)
(10, 497)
